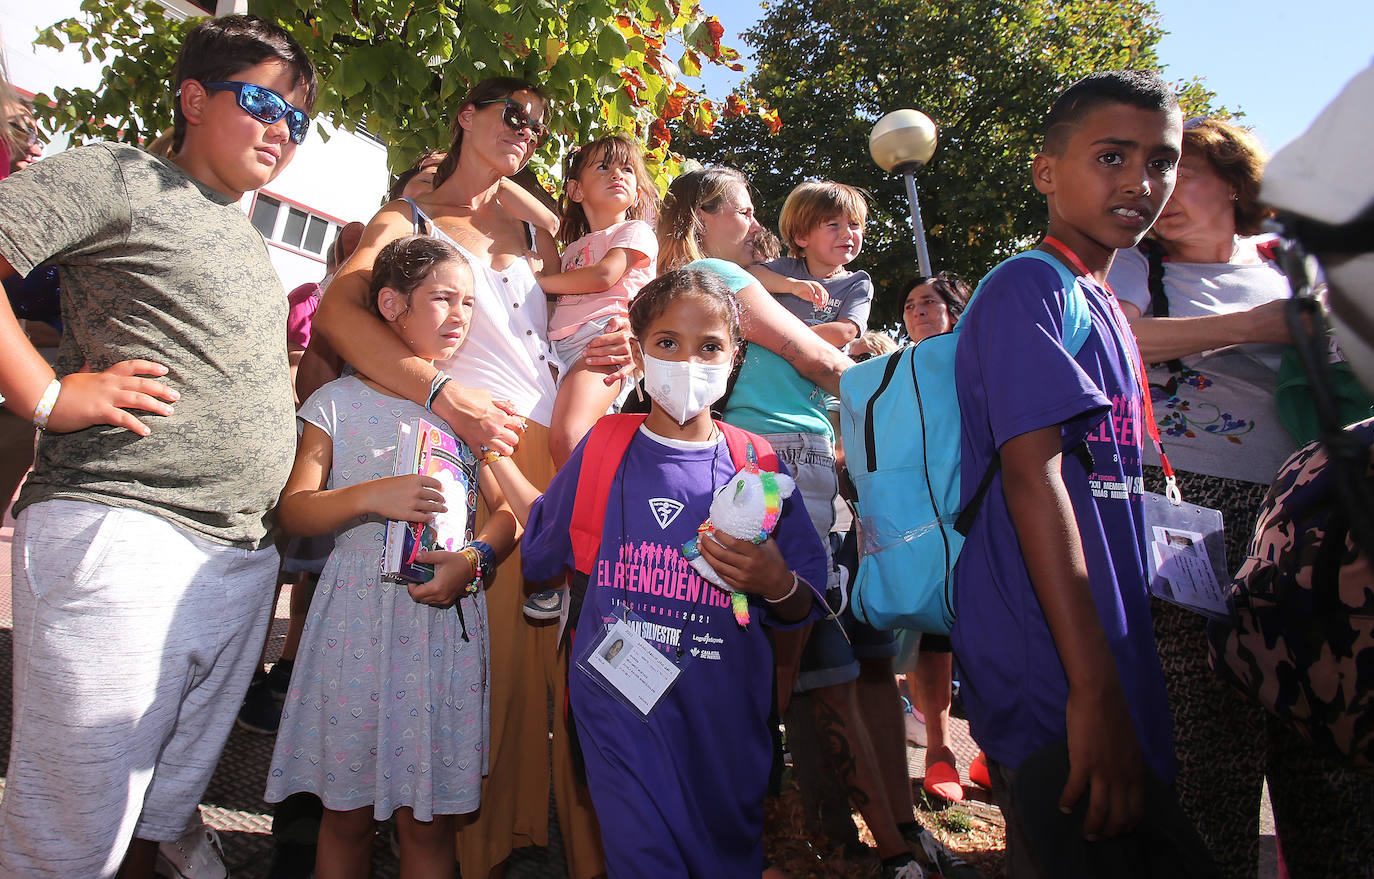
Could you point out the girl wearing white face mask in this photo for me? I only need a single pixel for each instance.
(679, 791)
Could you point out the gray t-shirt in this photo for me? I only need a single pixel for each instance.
(851, 296)
(1217, 417)
(156, 265)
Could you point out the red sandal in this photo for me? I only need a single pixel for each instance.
(942, 780)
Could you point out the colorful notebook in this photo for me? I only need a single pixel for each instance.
(422, 447)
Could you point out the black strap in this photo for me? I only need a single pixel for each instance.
(870, 441)
(1159, 300)
(964, 523)
(529, 236)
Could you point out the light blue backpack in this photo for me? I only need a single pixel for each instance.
(899, 417)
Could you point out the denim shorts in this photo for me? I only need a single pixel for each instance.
(830, 658)
(570, 350)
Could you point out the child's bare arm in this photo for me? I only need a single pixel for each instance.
(812, 291)
(524, 205)
(595, 278)
(1104, 752)
(519, 494)
(308, 508)
(837, 332)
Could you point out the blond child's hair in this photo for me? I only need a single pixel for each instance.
(814, 202)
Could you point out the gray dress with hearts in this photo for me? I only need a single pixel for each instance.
(388, 700)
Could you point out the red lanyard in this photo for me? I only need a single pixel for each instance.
(1170, 483)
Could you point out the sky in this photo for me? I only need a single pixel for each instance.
(1279, 62)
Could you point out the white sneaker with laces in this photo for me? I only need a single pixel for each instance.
(909, 870)
(197, 855)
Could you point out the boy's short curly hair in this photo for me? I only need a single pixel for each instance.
(814, 202)
(221, 48)
(404, 264)
(1144, 89)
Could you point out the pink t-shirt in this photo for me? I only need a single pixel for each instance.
(302, 303)
(572, 311)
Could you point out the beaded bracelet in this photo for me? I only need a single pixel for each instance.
(474, 560)
(790, 592)
(43, 410)
(488, 557)
(436, 385)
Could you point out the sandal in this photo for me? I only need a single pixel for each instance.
(942, 780)
(978, 771)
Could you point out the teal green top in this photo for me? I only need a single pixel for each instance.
(769, 396)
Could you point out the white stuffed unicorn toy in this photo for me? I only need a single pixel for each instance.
(747, 507)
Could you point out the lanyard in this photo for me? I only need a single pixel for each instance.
(1170, 482)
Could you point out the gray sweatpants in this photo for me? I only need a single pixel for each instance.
(134, 642)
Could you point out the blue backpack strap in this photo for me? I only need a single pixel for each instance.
(1078, 324)
(1078, 321)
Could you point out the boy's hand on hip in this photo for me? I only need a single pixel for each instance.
(748, 567)
(1105, 762)
(91, 398)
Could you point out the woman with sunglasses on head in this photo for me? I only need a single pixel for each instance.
(499, 383)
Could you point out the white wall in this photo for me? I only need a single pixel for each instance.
(345, 178)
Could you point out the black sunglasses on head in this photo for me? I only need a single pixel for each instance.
(517, 118)
(265, 105)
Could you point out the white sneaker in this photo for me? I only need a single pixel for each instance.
(197, 855)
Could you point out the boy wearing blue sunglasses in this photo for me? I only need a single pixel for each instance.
(143, 568)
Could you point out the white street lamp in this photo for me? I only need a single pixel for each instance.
(903, 141)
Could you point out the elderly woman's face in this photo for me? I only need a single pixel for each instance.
(925, 314)
(1203, 205)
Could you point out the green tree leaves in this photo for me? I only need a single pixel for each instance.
(399, 67)
(986, 71)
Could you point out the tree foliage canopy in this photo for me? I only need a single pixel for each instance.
(986, 71)
(398, 68)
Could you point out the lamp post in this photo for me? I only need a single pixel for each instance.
(903, 141)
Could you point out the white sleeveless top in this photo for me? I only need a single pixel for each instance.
(507, 350)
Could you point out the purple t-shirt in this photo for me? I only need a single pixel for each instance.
(1015, 376)
(681, 793)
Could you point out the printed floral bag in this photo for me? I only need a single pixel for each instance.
(1303, 639)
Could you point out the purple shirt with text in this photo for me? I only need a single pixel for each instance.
(681, 793)
(1014, 376)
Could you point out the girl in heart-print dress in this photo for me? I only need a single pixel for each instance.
(387, 709)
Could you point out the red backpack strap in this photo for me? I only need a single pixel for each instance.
(739, 440)
(601, 456)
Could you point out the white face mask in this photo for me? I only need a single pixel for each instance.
(684, 389)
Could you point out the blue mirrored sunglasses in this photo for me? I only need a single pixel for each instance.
(267, 106)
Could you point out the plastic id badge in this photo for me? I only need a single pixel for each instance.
(630, 668)
(1186, 549)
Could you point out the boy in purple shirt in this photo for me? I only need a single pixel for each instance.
(1052, 612)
